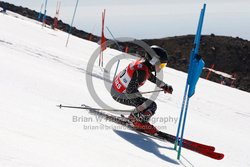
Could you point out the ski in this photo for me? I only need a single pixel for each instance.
(187, 143)
(206, 150)
(203, 149)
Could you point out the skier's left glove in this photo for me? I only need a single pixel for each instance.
(167, 88)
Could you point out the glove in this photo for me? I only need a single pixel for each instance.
(167, 88)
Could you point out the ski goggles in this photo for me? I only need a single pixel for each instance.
(163, 65)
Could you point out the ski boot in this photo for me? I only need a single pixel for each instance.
(140, 121)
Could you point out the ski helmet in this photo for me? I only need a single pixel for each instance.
(160, 57)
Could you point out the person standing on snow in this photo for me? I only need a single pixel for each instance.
(125, 88)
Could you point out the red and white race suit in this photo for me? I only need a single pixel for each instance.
(123, 79)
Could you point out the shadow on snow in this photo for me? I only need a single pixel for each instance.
(145, 143)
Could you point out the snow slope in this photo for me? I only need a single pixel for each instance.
(37, 72)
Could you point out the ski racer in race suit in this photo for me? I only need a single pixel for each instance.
(125, 88)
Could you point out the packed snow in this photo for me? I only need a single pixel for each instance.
(37, 72)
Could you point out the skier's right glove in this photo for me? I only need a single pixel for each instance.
(167, 88)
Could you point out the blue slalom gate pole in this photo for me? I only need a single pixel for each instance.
(180, 119)
(182, 131)
(45, 11)
(72, 21)
(196, 65)
(40, 13)
(120, 49)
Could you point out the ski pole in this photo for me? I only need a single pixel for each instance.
(152, 91)
(90, 108)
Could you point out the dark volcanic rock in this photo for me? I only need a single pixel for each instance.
(229, 55)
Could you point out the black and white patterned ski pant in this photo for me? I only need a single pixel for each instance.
(125, 99)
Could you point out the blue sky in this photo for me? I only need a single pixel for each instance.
(153, 18)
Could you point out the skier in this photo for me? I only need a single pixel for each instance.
(125, 88)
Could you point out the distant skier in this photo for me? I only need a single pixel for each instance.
(126, 84)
